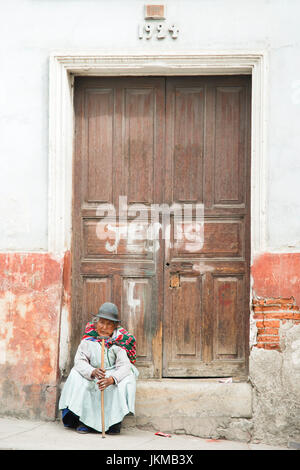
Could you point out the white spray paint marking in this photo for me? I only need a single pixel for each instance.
(202, 267)
(132, 303)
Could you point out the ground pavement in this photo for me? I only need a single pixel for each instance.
(17, 434)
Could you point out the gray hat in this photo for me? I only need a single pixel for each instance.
(109, 311)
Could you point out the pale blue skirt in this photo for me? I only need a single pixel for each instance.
(83, 398)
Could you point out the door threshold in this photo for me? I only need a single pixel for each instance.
(225, 379)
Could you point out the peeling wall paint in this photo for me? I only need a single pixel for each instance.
(30, 301)
(276, 275)
(275, 284)
(65, 319)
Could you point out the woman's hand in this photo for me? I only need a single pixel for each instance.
(105, 382)
(98, 374)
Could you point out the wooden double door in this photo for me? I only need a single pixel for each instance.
(161, 218)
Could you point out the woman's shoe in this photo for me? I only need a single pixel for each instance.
(69, 419)
(82, 429)
(115, 428)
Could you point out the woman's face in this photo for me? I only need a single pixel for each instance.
(105, 327)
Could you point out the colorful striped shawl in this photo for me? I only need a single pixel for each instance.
(124, 340)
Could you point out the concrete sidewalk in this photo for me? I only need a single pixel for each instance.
(16, 434)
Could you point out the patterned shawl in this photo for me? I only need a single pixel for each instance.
(124, 339)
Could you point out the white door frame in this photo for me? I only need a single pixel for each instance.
(63, 68)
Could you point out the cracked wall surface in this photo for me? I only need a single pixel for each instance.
(275, 378)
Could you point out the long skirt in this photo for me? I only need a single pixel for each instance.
(83, 398)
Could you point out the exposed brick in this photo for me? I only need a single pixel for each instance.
(280, 301)
(274, 302)
(258, 301)
(289, 300)
(269, 346)
(272, 308)
(282, 315)
(271, 331)
(268, 323)
(267, 331)
(258, 316)
(269, 314)
(267, 339)
(272, 346)
(258, 309)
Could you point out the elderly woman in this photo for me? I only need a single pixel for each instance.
(80, 400)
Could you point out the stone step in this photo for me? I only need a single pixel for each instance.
(204, 408)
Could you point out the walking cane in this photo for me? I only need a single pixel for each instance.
(102, 391)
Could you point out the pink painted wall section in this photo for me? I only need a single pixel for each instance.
(277, 275)
(36, 287)
(30, 303)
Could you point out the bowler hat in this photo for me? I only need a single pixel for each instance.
(109, 311)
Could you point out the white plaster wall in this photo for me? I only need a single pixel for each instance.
(32, 29)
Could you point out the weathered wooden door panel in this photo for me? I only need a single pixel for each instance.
(139, 313)
(119, 146)
(228, 318)
(182, 286)
(206, 277)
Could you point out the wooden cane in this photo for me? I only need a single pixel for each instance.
(102, 391)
